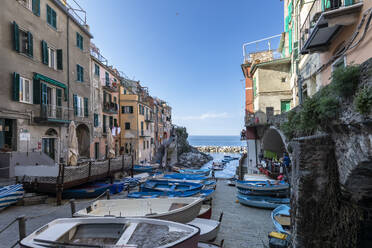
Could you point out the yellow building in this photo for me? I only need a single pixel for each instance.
(136, 121)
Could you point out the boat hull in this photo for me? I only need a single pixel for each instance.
(205, 212)
(169, 185)
(281, 193)
(262, 202)
(92, 191)
(10, 195)
(208, 228)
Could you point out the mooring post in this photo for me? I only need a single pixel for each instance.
(107, 194)
(22, 227)
(73, 207)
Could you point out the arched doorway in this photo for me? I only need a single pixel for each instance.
(83, 137)
(273, 142)
(49, 144)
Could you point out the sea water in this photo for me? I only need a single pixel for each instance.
(230, 168)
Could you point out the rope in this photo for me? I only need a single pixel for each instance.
(6, 227)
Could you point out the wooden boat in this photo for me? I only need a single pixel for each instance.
(147, 194)
(113, 232)
(182, 176)
(208, 228)
(207, 193)
(169, 185)
(179, 209)
(89, 190)
(208, 245)
(143, 168)
(262, 201)
(280, 194)
(261, 186)
(281, 219)
(10, 194)
(203, 172)
(205, 211)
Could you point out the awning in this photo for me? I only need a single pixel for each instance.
(49, 80)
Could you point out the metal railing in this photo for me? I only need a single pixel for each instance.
(316, 10)
(110, 107)
(48, 111)
(263, 45)
(75, 10)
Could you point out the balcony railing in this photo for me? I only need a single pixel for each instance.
(267, 45)
(110, 107)
(145, 133)
(312, 20)
(53, 113)
(110, 85)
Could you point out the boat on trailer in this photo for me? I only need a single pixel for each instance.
(10, 194)
(282, 219)
(170, 185)
(262, 201)
(113, 232)
(181, 210)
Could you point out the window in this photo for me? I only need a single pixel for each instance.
(51, 17)
(26, 3)
(107, 78)
(80, 73)
(52, 58)
(127, 109)
(284, 79)
(339, 63)
(96, 122)
(96, 70)
(144, 144)
(127, 125)
(104, 123)
(79, 41)
(25, 90)
(80, 106)
(147, 144)
(22, 41)
(285, 106)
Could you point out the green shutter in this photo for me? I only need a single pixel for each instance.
(349, 2)
(36, 7)
(290, 41)
(15, 37)
(44, 52)
(44, 93)
(96, 120)
(326, 4)
(49, 15)
(104, 123)
(75, 105)
(16, 82)
(59, 97)
(104, 97)
(54, 19)
(82, 73)
(36, 91)
(59, 59)
(254, 87)
(30, 44)
(111, 122)
(86, 109)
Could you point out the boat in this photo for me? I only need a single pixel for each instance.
(89, 190)
(10, 194)
(205, 211)
(113, 232)
(281, 219)
(179, 209)
(206, 193)
(148, 194)
(143, 168)
(262, 201)
(208, 228)
(280, 194)
(182, 176)
(117, 187)
(208, 245)
(262, 186)
(169, 185)
(203, 172)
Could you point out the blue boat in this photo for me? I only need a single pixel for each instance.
(10, 195)
(281, 219)
(182, 176)
(282, 193)
(206, 193)
(202, 172)
(143, 168)
(154, 185)
(143, 194)
(262, 201)
(117, 187)
(89, 190)
(263, 186)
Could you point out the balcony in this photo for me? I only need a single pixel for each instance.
(149, 118)
(110, 108)
(144, 133)
(324, 20)
(260, 118)
(110, 85)
(53, 114)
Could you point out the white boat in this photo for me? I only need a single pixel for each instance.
(205, 211)
(208, 228)
(113, 232)
(178, 209)
(208, 245)
(10, 195)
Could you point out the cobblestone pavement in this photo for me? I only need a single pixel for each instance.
(241, 226)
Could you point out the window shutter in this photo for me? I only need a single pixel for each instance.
(59, 97)
(82, 74)
(30, 44)
(36, 91)
(131, 109)
(348, 2)
(44, 52)
(104, 123)
(86, 112)
(254, 87)
(290, 41)
(44, 93)
(111, 122)
(15, 37)
(16, 86)
(59, 59)
(36, 7)
(96, 120)
(75, 105)
(104, 97)
(54, 19)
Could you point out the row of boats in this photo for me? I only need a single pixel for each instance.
(169, 210)
(220, 165)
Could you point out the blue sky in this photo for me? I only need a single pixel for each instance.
(188, 52)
